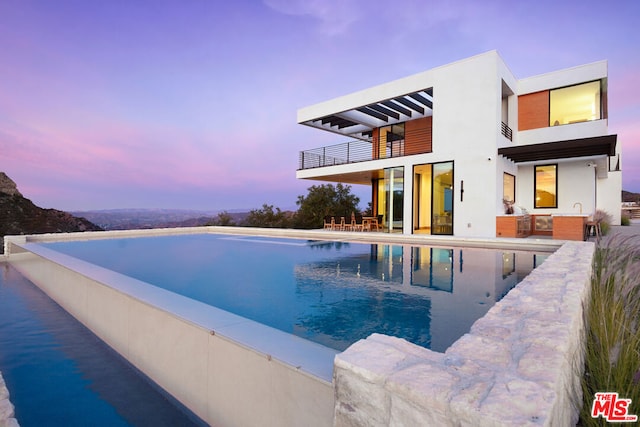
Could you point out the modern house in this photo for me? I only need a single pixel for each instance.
(444, 149)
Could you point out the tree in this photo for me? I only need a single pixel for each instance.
(267, 217)
(224, 218)
(369, 210)
(325, 200)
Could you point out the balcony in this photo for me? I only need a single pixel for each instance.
(414, 142)
(507, 132)
(340, 154)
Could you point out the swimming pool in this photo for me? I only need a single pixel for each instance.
(60, 374)
(332, 293)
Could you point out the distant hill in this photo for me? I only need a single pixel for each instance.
(129, 219)
(18, 215)
(628, 196)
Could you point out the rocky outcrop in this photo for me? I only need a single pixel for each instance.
(6, 407)
(7, 186)
(18, 215)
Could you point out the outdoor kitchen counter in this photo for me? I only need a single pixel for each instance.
(569, 226)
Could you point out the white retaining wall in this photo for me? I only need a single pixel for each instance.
(226, 369)
(521, 364)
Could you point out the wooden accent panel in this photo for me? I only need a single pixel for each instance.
(569, 227)
(374, 197)
(375, 144)
(513, 226)
(506, 226)
(418, 136)
(533, 110)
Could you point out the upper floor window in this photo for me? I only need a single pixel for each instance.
(574, 104)
(391, 141)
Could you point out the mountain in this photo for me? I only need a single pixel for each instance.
(18, 215)
(128, 219)
(628, 196)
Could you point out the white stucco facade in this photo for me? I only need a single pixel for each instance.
(469, 103)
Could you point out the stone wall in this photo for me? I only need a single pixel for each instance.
(521, 364)
(6, 407)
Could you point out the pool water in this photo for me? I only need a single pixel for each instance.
(60, 374)
(333, 293)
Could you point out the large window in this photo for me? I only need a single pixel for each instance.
(546, 185)
(573, 104)
(391, 141)
(509, 187)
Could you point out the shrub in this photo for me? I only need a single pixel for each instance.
(625, 219)
(613, 326)
(604, 219)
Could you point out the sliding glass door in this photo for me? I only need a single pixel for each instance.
(422, 182)
(442, 201)
(390, 199)
(433, 198)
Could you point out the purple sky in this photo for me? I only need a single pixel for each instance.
(192, 104)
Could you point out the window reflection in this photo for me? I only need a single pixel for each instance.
(508, 264)
(538, 259)
(432, 268)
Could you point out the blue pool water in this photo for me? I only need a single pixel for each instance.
(60, 374)
(333, 293)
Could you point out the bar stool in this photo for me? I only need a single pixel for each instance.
(593, 226)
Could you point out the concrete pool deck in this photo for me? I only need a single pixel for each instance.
(626, 230)
(513, 367)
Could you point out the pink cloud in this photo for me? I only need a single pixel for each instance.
(119, 153)
(629, 137)
(624, 89)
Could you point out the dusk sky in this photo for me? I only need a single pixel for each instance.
(192, 103)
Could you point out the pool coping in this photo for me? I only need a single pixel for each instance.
(543, 245)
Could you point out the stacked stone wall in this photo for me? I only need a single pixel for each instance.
(521, 364)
